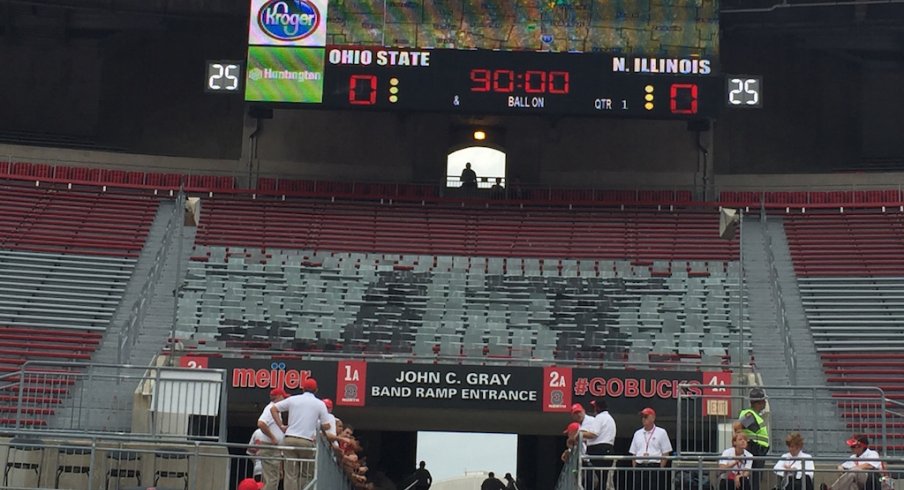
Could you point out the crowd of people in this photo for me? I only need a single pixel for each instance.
(741, 466)
(309, 418)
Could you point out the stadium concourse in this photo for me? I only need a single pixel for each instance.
(486, 316)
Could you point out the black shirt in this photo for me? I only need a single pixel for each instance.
(492, 484)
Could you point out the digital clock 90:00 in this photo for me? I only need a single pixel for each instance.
(530, 81)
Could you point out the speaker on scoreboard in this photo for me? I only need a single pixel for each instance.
(728, 222)
(259, 112)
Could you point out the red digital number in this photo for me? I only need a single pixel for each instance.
(559, 82)
(481, 79)
(683, 98)
(362, 90)
(503, 81)
(535, 82)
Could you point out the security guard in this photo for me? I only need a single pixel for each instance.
(754, 427)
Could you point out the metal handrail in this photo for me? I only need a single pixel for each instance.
(128, 331)
(684, 392)
(780, 309)
(140, 375)
(488, 361)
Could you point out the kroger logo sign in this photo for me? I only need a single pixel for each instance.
(288, 20)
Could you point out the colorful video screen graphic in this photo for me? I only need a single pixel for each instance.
(284, 74)
(629, 27)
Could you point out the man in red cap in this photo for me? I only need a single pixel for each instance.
(649, 445)
(273, 436)
(248, 484)
(862, 470)
(307, 418)
(572, 432)
(332, 433)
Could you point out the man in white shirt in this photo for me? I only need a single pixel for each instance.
(271, 435)
(600, 439)
(254, 447)
(649, 446)
(332, 434)
(307, 417)
(862, 469)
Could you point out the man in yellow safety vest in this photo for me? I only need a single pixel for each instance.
(754, 427)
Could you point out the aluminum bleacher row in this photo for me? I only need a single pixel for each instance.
(851, 276)
(458, 306)
(65, 260)
(637, 235)
(56, 220)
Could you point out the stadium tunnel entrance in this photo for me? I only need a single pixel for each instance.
(388, 403)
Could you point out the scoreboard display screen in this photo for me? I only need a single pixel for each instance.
(513, 58)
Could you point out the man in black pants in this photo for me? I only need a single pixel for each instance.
(600, 439)
(751, 423)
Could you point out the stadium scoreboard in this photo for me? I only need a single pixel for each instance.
(501, 57)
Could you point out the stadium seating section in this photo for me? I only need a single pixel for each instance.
(457, 306)
(509, 282)
(59, 221)
(851, 275)
(638, 235)
(65, 260)
(398, 269)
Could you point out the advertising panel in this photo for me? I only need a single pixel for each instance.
(288, 23)
(284, 74)
(360, 384)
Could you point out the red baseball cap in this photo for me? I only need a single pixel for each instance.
(248, 484)
(577, 407)
(329, 404)
(648, 411)
(858, 440)
(572, 427)
(309, 384)
(278, 392)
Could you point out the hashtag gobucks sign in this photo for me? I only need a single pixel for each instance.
(556, 389)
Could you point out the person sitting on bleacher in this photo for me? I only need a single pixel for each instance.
(795, 467)
(737, 462)
(862, 470)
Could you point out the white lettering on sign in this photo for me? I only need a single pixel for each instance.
(437, 385)
(716, 383)
(338, 56)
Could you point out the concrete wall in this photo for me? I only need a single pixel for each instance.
(568, 152)
(812, 114)
(50, 88)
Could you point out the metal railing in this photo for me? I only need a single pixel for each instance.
(864, 411)
(83, 462)
(618, 360)
(128, 331)
(163, 402)
(570, 476)
(711, 471)
(781, 316)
